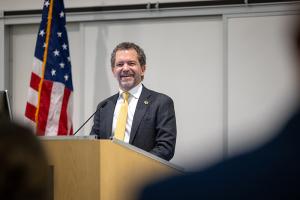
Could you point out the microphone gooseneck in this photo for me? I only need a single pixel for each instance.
(99, 108)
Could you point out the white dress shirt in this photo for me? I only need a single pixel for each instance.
(134, 95)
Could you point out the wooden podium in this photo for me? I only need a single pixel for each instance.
(91, 169)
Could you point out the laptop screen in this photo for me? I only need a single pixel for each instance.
(5, 110)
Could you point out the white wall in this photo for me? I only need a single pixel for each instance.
(231, 78)
(261, 78)
(36, 4)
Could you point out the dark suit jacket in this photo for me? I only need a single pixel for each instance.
(153, 127)
(270, 172)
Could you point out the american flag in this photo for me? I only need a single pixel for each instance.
(49, 102)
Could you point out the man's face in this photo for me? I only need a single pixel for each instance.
(127, 69)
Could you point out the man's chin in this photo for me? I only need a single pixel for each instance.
(126, 86)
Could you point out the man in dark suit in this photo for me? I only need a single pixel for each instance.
(270, 172)
(150, 122)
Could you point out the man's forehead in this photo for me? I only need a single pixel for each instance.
(130, 53)
(126, 50)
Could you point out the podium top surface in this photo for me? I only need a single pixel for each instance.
(116, 141)
(86, 137)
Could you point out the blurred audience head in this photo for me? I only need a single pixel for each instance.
(23, 164)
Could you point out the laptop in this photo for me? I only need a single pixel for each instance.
(5, 109)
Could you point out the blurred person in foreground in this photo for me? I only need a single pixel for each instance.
(270, 172)
(23, 164)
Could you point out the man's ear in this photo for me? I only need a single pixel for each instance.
(113, 71)
(143, 68)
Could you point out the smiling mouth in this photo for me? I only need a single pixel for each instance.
(126, 76)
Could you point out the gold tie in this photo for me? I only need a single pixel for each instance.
(122, 118)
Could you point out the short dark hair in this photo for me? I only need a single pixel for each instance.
(126, 46)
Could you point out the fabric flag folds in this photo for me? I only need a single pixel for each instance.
(49, 103)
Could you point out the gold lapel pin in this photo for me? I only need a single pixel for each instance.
(146, 102)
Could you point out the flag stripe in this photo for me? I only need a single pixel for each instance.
(63, 122)
(35, 81)
(32, 97)
(44, 106)
(71, 130)
(70, 114)
(55, 108)
(30, 111)
(37, 66)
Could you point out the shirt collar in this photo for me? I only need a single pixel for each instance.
(135, 92)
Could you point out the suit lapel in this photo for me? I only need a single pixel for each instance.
(141, 108)
(109, 115)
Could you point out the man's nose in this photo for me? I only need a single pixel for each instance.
(125, 67)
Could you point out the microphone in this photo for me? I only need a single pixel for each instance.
(99, 108)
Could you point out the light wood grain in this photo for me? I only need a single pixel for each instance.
(100, 170)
